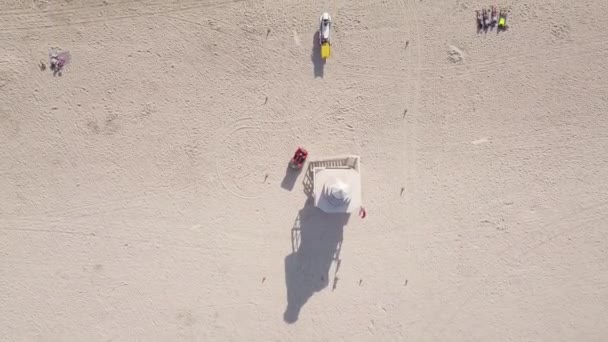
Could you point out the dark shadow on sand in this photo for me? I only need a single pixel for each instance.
(316, 239)
(289, 180)
(317, 61)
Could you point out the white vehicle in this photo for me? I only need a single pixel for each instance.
(324, 34)
(324, 30)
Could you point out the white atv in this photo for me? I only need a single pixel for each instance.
(324, 35)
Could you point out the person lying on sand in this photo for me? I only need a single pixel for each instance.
(53, 59)
(502, 20)
(486, 19)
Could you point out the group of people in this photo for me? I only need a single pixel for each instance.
(58, 59)
(487, 19)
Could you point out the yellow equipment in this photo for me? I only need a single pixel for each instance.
(325, 50)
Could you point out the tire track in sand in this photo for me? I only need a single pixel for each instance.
(594, 44)
(84, 15)
(224, 135)
(564, 220)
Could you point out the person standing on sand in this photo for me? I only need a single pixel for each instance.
(53, 58)
(362, 212)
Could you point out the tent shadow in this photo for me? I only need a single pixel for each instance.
(308, 180)
(316, 239)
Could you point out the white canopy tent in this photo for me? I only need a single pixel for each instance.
(337, 189)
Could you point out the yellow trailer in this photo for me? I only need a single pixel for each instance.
(325, 50)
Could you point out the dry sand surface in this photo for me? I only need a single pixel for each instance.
(144, 193)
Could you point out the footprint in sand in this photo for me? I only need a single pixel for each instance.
(480, 141)
(455, 55)
(296, 38)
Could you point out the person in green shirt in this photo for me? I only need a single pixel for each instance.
(502, 20)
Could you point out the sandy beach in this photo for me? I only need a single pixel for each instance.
(145, 193)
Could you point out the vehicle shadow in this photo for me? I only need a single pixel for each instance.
(317, 61)
(289, 180)
(316, 239)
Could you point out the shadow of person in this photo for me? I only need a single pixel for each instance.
(316, 239)
(317, 61)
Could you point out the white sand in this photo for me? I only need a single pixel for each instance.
(133, 198)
